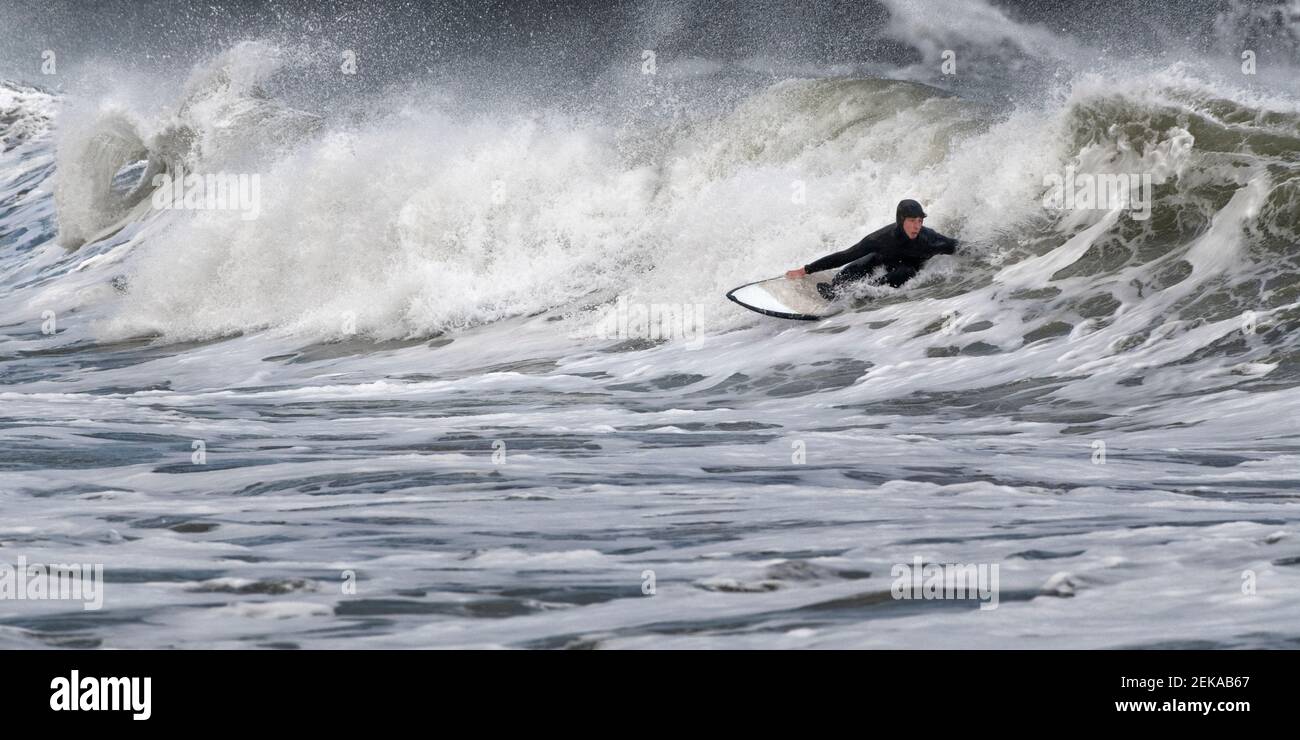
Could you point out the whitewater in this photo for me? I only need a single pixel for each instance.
(388, 412)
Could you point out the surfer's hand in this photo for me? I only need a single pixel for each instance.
(796, 274)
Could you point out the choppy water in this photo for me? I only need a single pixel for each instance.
(396, 373)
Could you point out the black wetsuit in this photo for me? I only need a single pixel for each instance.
(888, 247)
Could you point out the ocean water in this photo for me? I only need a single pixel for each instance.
(411, 404)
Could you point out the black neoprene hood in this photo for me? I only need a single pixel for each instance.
(908, 209)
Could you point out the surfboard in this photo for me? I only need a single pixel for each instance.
(785, 298)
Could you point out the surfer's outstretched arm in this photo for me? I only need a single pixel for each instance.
(942, 244)
(866, 246)
(843, 257)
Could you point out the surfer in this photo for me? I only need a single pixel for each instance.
(902, 249)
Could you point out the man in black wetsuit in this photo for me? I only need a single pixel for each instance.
(901, 249)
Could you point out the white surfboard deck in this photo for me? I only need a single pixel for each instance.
(784, 298)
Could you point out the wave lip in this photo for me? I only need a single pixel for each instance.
(225, 120)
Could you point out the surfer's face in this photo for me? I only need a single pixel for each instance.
(912, 226)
